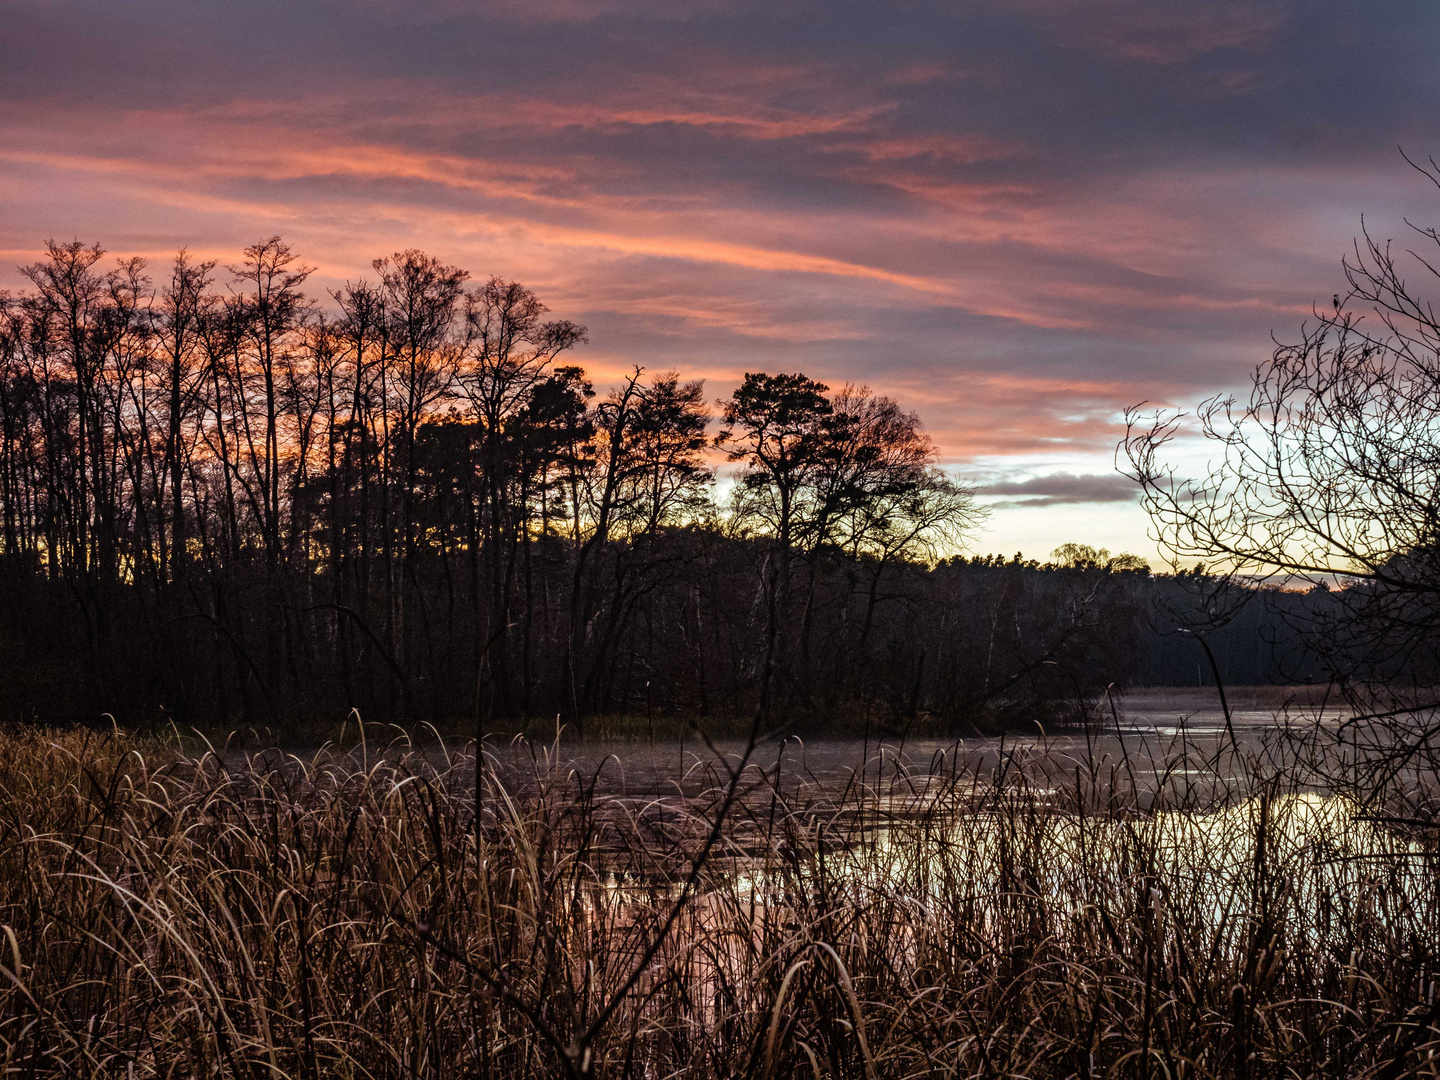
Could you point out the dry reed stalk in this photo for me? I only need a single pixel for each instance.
(198, 915)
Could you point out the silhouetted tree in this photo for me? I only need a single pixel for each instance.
(1329, 472)
(235, 504)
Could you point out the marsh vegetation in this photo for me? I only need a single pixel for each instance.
(1178, 906)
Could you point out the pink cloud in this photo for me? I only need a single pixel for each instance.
(757, 211)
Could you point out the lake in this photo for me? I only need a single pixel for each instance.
(1147, 726)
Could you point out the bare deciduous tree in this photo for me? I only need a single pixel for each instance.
(1328, 474)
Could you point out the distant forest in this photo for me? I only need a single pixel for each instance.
(226, 501)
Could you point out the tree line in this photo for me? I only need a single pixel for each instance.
(223, 500)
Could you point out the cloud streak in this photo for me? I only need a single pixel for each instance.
(1064, 489)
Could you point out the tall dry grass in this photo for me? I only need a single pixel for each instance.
(214, 916)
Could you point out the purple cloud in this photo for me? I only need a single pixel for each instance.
(1058, 489)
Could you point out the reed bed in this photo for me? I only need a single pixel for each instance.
(209, 915)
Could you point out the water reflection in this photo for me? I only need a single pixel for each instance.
(1147, 729)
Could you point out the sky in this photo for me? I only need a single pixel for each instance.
(1017, 219)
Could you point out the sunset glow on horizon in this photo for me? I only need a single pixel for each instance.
(1017, 220)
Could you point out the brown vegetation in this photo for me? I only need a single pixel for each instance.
(171, 915)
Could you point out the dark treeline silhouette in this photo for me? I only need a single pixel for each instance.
(224, 501)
